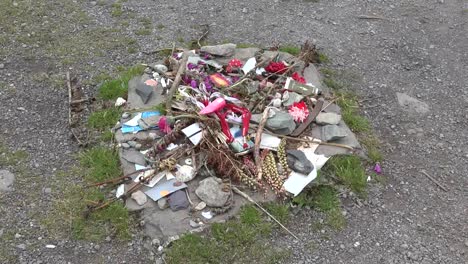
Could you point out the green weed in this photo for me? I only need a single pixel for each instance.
(335, 219)
(237, 241)
(116, 10)
(372, 145)
(279, 211)
(104, 119)
(349, 171)
(143, 32)
(112, 89)
(101, 164)
(293, 50)
(11, 158)
(323, 58)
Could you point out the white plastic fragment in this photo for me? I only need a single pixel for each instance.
(50, 246)
(207, 215)
(120, 101)
(120, 191)
(249, 65)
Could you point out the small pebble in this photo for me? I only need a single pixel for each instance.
(21, 109)
(125, 115)
(194, 224)
(2, 65)
(138, 146)
(125, 145)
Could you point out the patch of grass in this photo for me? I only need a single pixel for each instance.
(143, 32)
(332, 84)
(104, 119)
(101, 164)
(279, 211)
(237, 241)
(107, 136)
(372, 145)
(326, 198)
(323, 58)
(349, 111)
(66, 216)
(160, 26)
(11, 158)
(349, 171)
(293, 50)
(116, 10)
(114, 88)
(336, 220)
(180, 39)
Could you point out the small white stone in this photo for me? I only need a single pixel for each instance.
(139, 197)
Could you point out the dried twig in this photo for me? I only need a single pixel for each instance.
(248, 198)
(178, 78)
(69, 99)
(434, 181)
(258, 137)
(203, 36)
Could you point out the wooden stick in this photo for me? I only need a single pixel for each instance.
(434, 181)
(80, 101)
(258, 138)
(248, 198)
(178, 78)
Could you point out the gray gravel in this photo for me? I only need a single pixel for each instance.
(419, 49)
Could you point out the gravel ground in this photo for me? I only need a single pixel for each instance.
(418, 48)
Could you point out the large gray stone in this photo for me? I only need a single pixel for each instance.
(333, 132)
(210, 191)
(139, 197)
(144, 91)
(328, 119)
(412, 105)
(298, 162)
(224, 50)
(6, 180)
(282, 123)
(132, 156)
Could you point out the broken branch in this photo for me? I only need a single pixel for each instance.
(178, 78)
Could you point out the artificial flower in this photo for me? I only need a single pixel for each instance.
(164, 125)
(233, 64)
(299, 111)
(151, 82)
(193, 84)
(298, 78)
(276, 67)
(191, 66)
(377, 168)
(219, 80)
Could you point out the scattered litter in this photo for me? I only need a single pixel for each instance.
(233, 117)
(50, 246)
(120, 101)
(377, 168)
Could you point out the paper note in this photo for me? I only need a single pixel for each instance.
(163, 189)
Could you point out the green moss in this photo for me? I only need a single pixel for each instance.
(336, 220)
(11, 158)
(160, 26)
(293, 50)
(323, 58)
(101, 164)
(116, 10)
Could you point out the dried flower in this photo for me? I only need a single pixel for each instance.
(299, 111)
(298, 78)
(276, 67)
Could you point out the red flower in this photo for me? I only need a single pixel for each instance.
(298, 78)
(276, 67)
(164, 125)
(233, 64)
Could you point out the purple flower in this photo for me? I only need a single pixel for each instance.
(208, 84)
(176, 56)
(194, 84)
(206, 56)
(377, 168)
(191, 66)
(234, 79)
(186, 79)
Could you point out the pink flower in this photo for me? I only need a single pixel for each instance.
(299, 111)
(164, 126)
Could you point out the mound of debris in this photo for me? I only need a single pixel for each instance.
(208, 130)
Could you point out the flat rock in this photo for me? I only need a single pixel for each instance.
(139, 197)
(241, 54)
(298, 162)
(333, 132)
(328, 119)
(282, 123)
(134, 100)
(133, 206)
(6, 180)
(412, 105)
(210, 191)
(178, 200)
(331, 107)
(224, 50)
(132, 156)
